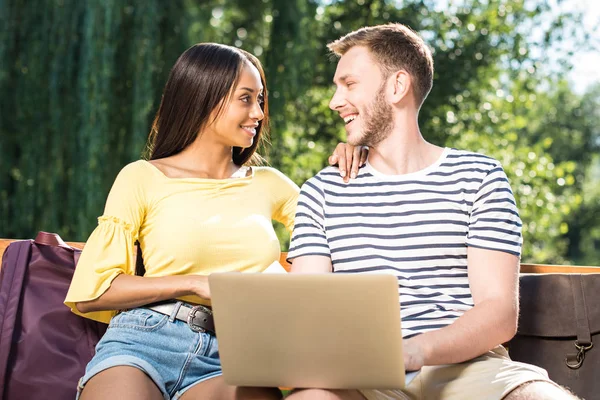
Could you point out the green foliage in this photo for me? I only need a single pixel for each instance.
(80, 82)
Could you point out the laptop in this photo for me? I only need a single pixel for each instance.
(329, 331)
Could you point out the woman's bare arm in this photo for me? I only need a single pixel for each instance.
(127, 291)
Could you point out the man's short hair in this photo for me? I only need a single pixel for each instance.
(394, 47)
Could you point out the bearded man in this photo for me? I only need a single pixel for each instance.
(443, 221)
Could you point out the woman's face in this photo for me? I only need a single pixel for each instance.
(238, 123)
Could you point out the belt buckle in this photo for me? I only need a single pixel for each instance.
(192, 315)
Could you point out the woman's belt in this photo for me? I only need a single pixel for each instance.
(198, 317)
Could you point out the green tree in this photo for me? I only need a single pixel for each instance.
(79, 82)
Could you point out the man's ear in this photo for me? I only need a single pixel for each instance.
(402, 85)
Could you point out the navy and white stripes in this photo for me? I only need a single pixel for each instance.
(416, 226)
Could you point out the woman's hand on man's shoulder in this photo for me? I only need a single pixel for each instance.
(348, 159)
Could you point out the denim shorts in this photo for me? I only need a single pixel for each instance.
(166, 349)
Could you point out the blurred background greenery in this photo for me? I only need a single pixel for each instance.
(80, 81)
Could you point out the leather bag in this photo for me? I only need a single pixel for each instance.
(559, 329)
(44, 347)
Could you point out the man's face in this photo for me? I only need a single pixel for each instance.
(360, 98)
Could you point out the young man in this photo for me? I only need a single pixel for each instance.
(443, 221)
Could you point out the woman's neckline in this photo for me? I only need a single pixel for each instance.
(233, 178)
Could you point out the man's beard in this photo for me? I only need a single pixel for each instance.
(377, 121)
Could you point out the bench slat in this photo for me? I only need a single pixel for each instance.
(558, 269)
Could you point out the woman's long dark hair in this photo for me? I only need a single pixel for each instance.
(202, 80)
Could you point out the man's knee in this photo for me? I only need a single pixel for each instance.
(540, 390)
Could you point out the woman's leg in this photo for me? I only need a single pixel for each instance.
(217, 389)
(120, 383)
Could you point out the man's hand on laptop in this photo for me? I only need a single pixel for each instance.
(414, 356)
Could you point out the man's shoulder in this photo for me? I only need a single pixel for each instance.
(330, 176)
(327, 177)
(458, 157)
(328, 183)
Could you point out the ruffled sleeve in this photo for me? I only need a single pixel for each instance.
(109, 251)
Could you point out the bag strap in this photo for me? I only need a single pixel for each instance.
(584, 335)
(11, 286)
(51, 239)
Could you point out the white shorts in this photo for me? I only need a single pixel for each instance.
(488, 377)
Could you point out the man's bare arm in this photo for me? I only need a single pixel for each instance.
(493, 279)
(312, 264)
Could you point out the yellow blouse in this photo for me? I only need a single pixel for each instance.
(184, 226)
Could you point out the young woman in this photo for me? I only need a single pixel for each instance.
(198, 206)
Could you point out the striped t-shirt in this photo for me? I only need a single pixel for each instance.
(416, 226)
